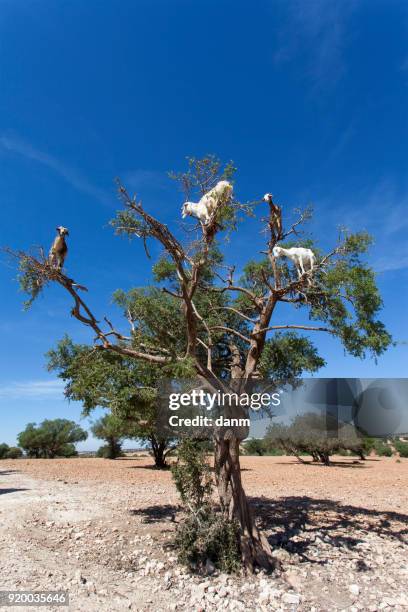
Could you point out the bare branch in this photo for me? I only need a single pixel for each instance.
(229, 330)
(237, 312)
(306, 327)
(304, 216)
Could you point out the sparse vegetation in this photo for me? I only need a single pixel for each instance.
(4, 449)
(401, 447)
(14, 453)
(255, 446)
(206, 537)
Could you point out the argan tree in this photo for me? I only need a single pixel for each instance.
(200, 320)
(314, 434)
(51, 438)
(123, 385)
(110, 429)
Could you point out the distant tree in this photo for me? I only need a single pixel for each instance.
(111, 429)
(14, 453)
(112, 381)
(52, 438)
(254, 446)
(4, 449)
(316, 435)
(31, 441)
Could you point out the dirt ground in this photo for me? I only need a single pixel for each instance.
(101, 530)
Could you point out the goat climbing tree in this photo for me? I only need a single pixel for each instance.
(199, 320)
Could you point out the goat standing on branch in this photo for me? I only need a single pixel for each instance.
(275, 221)
(206, 208)
(59, 248)
(304, 259)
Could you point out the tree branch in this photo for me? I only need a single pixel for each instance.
(229, 330)
(306, 327)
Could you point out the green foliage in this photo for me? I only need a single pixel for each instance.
(68, 450)
(368, 444)
(14, 453)
(401, 447)
(382, 449)
(52, 438)
(255, 446)
(348, 299)
(111, 429)
(191, 474)
(124, 386)
(157, 314)
(31, 281)
(287, 355)
(4, 449)
(204, 535)
(109, 451)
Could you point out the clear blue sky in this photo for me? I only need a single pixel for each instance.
(309, 98)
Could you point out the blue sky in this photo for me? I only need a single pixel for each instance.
(309, 98)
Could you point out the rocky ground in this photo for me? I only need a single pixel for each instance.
(102, 530)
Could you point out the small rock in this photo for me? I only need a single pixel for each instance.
(354, 589)
(79, 577)
(291, 598)
(293, 580)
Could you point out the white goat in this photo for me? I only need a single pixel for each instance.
(304, 259)
(207, 206)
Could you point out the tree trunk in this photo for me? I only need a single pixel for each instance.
(255, 549)
(159, 451)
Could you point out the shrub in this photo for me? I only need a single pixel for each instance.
(255, 446)
(382, 449)
(401, 447)
(14, 453)
(109, 451)
(4, 449)
(211, 536)
(205, 535)
(191, 474)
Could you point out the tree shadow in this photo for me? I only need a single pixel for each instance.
(7, 472)
(149, 467)
(5, 491)
(130, 458)
(157, 514)
(340, 464)
(295, 523)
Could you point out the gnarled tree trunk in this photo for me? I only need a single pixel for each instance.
(255, 549)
